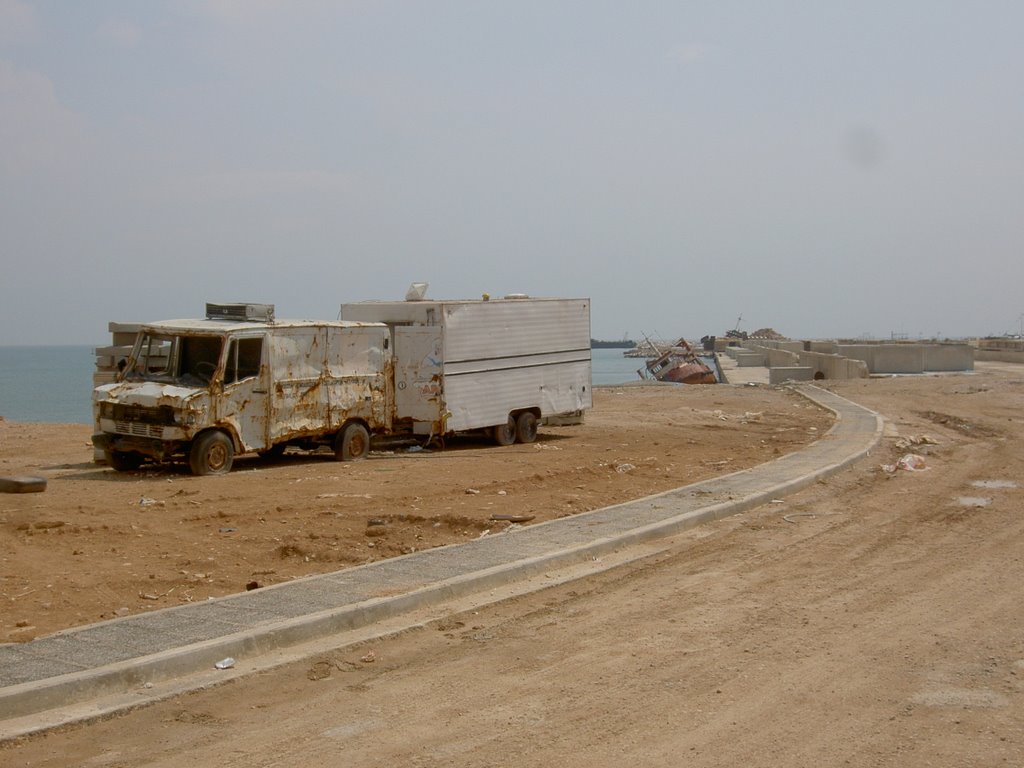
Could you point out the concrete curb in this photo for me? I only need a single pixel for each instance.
(26, 699)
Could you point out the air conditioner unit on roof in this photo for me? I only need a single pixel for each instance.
(255, 313)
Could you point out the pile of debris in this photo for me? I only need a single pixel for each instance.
(769, 334)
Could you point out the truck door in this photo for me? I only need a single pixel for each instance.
(419, 391)
(245, 395)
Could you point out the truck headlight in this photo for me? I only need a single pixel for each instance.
(187, 418)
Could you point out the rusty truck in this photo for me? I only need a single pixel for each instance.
(240, 381)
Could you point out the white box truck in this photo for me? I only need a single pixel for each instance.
(499, 364)
(240, 381)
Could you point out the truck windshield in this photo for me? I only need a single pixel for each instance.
(188, 361)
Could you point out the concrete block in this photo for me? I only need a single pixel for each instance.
(131, 328)
(856, 369)
(948, 357)
(781, 358)
(1011, 345)
(564, 420)
(856, 351)
(834, 366)
(795, 347)
(783, 374)
(897, 358)
(750, 359)
(123, 339)
(114, 351)
(999, 355)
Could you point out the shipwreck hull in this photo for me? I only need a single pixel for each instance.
(689, 373)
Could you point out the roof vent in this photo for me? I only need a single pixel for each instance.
(254, 313)
(416, 292)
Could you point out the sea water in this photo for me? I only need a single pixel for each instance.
(610, 366)
(54, 384)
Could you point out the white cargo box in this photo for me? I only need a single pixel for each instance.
(468, 364)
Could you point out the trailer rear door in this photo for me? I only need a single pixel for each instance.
(418, 377)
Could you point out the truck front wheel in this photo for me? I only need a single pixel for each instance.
(212, 454)
(352, 443)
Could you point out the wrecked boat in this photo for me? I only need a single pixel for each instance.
(679, 364)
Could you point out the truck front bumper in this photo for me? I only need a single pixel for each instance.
(158, 450)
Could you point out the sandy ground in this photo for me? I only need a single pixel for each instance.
(871, 620)
(99, 544)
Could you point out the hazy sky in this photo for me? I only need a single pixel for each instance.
(823, 168)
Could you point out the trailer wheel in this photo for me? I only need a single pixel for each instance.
(124, 461)
(526, 427)
(212, 454)
(352, 443)
(505, 434)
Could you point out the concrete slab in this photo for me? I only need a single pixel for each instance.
(747, 375)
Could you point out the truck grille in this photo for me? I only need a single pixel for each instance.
(138, 430)
(137, 415)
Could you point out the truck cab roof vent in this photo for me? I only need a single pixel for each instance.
(258, 313)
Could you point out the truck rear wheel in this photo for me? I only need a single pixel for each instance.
(526, 427)
(505, 434)
(212, 454)
(352, 443)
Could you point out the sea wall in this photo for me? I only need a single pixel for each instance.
(828, 366)
(831, 360)
(911, 358)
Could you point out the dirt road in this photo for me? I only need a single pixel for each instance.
(873, 620)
